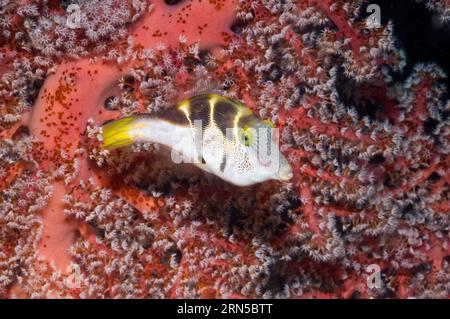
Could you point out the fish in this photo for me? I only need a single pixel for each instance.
(216, 133)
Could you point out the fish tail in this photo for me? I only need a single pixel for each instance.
(119, 133)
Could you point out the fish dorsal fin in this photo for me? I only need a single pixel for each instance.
(202, 83)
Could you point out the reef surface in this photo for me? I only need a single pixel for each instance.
(365, 129)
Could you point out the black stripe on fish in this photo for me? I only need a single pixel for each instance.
(199, 109)
(225, 112)
(174, 115)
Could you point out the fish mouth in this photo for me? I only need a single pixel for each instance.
(285, 173)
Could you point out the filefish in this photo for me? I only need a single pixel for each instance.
(216, 133)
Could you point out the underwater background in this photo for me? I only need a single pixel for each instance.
(358, 90)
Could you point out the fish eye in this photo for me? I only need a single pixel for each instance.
(245, 136)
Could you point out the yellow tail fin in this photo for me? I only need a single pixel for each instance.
(118, 133)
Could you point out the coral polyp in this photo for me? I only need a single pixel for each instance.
(365, 130)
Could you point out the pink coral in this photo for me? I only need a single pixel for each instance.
(371, 161)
